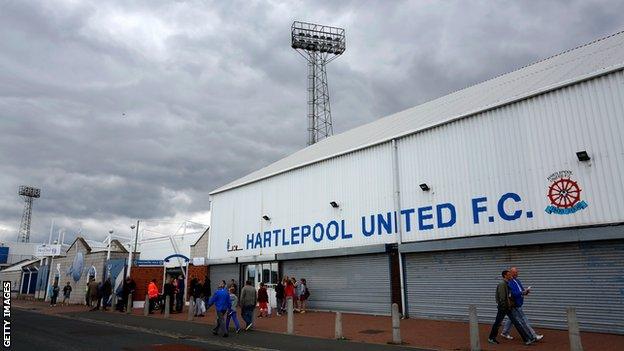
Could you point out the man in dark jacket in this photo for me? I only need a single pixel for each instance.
(168, 290)
(279, 296)
(504, 304)
(206, 290)
(248, 299)
(107, 290)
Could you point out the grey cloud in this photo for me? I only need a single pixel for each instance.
(137, 110)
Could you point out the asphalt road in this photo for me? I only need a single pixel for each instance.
(38, 332)
(35, 331)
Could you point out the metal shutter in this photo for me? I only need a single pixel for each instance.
(587, 275)
(353, 283)
(225, 272)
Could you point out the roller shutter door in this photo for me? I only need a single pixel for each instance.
(225, 272)
(587, 275)
(353, 283)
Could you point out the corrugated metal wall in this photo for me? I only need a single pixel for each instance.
(225, 272)
(360, 183)
(354, 284)
(514, 149)
(588, 276)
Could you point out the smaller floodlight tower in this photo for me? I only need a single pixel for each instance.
(28, 193)
(319, 45)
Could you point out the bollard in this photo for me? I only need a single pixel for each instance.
(290, 323)
(146, 306)
(167, 303)
(573, 330)
(190, 310)
(339, 335)
(396, 324)
(129, 305)
(475, 343)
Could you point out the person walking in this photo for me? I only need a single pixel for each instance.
(93, 294)
(518, 292)
(222, 302)
(199, 302)
(263, 301)
(304, 294)
(289, 292)
(107, 291)
(232, 312)
(279, 297)
(206, 290)
(152, 295)
(504, 304)
(66, 293)
(55, 292)
(180, 293)
(248, 299)
(168, 290)
(233, 284)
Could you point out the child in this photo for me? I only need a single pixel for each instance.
(232, 312)
(263, 301)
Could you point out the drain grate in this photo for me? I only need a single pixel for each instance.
(371, 331)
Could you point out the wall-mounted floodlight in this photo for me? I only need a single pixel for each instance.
(266, 218)
(334, 204)
(583, 156)
(424, 187)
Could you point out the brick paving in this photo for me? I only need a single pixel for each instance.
(429, 334)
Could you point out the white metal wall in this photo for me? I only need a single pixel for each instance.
(514, 149)
(360, 183)
(511, 149)
(588, 276)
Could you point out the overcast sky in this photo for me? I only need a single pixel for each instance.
(121, 110)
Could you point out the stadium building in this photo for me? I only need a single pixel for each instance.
(426, 207)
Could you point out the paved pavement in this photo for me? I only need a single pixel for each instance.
(116, 331)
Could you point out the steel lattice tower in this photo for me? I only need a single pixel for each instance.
(29, 194)
(319, 45)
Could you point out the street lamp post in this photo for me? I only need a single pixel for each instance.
(110, 236)
(136, 235)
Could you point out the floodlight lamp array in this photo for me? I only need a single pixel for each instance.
(318, 38)
(29, 191)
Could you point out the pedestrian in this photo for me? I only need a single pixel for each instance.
(232, 312)
(107, 290)
(263, 301)
(248, 299)
(304, 294)
(233, 284)
(295, 285)
(180, 293)
(152, 295)
(221, 300)
(279, 297)
(206, 290)
(55, 292)
(289, 292)
(197, 296)
(93, 295)
(168, 290)
(504, 304)
(128, 288)
(66, 293)
(518, 292)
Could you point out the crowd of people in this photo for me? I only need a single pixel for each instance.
(226, 302)
(510, 294)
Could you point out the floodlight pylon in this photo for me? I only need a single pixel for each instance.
(319, 45)
(28, 193)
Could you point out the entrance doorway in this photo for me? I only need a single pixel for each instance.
(266, 273)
